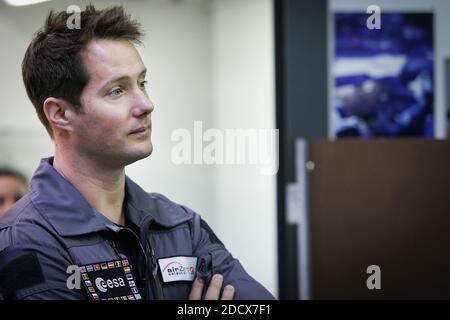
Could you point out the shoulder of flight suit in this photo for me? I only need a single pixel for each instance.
(32, 263)
(167, 212)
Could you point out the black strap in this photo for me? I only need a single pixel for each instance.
(22, 272)
(212, 236)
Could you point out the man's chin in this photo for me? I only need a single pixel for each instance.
(148, 152)
(137, 155)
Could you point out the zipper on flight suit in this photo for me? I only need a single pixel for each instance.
(146, 262)
(123, 256)
(151, 254)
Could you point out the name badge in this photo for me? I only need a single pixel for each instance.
(111, 280)
(181, 268)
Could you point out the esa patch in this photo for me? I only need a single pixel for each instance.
(110, 280)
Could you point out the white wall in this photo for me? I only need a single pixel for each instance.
(441, 10)
(243, 87)
(208, 60)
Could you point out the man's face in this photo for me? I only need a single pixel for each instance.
(11, 190)
(114, 124)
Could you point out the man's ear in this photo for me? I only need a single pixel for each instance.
(58, 113)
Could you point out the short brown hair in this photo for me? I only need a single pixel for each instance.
(53, 67)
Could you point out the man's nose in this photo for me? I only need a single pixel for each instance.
(142, 105)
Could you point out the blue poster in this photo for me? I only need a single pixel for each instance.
(383, 78)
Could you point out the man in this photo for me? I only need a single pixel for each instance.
(83, 219)
(13, 186)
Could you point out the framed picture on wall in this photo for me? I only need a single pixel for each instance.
(383, 78)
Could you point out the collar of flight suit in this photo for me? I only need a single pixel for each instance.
(60, 203)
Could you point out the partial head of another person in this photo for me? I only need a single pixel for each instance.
(13, 186)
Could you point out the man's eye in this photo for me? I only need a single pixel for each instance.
(143, 84)
(116, 92)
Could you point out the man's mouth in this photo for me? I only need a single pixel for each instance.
(141, 131)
